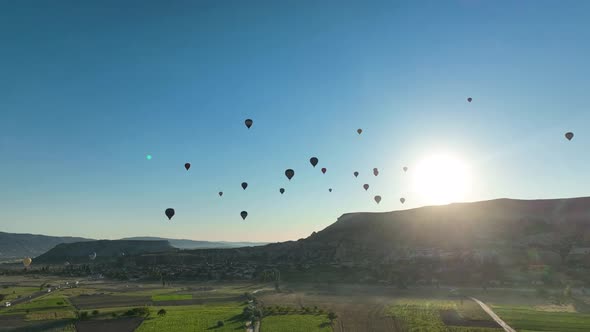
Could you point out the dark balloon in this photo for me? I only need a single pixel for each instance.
(330, 190)
(356, 174)
(359, 131)
(324, 170)
(314, 161)
(375, 171)
(244, 214)
(366, 186)
(282, 190)
(220, 193)
(469, 99)
(248, 123)
(377, 199)
(187, 166)
(402, 200)
(169, 213)
(405, 169)
(244, 185)
(289, 174)
(569, 136)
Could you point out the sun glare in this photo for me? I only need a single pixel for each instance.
(441, 179)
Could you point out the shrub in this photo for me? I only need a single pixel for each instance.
(95, 312)
(162, 312)
(114, 314)
(84, 315)
(219, 323)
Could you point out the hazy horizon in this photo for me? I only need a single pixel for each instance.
(90, 89)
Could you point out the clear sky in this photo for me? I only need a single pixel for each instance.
(89, 88)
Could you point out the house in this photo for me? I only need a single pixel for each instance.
(8, 304)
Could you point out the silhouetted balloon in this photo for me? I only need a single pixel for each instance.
(244, 185)
(169, 213)
(469, 99)
(330, 190)
(92, 256)
(248, 123)
(402, 200)
(282, 190)
(244, 214)
(375, 171)
(187, 166)
(359, 131)
(289, 174)
(27, 261)
(405, 169)
(314, 161)
(366, 186)
(324, 170)
(377, 199)
(569, 136)
(220, 193)
(356, 174)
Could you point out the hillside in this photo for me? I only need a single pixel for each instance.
(192, 244)
(104, 249)
(17, 246)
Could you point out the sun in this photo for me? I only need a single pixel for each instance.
(441, 179)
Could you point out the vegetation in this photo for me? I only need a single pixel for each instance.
(196, 318)
(162, 312)
(525, 318)
(172, 297)
(295, 322)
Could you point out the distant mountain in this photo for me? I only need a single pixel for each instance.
(18, 246)
(104, 249)
(192, 244)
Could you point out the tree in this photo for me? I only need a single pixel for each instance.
(219, 323)
(2, 297)
(162, 312)
(332, 316)
(95, 312)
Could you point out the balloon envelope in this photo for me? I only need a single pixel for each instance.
(187, 166)
(169, 213)
(27, 261)
(405, 169)
(313, 161)
(469, 99)
(282, 190)
(92, 256)
(569, 136)
(402, 200)
(359, 131)
(356, 174)
(248, 123)
(330, 190)
(244, 185)
(244, 214)
(377, 199)
(220, 193)
(366, 186)
(289, 174)
(324, 170)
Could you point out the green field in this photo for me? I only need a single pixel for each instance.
(295, 323)
(195, 318)
(172, 297)
(12, 293)
(528, 319)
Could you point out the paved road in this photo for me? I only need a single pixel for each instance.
(493, 315)
(30, 297)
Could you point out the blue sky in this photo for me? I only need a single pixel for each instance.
(88, 89)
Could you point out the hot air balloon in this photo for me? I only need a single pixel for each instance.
(244, 185)
(330, 190)
(402, 200)
(220, 193)
(375, 171)
(244, 214)
(366, 186)
(187, 166)
(469, 99)
(169, 213)
(248, 123)
(405, 169)
(324, 170)
(282, 190)
(359, 131)
(377, 199)
(314, 161)
(569, 136)
(356, 174)
(92, 256)
(27, 261)
(289, 174)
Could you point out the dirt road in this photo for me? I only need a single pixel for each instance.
(495, 317)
